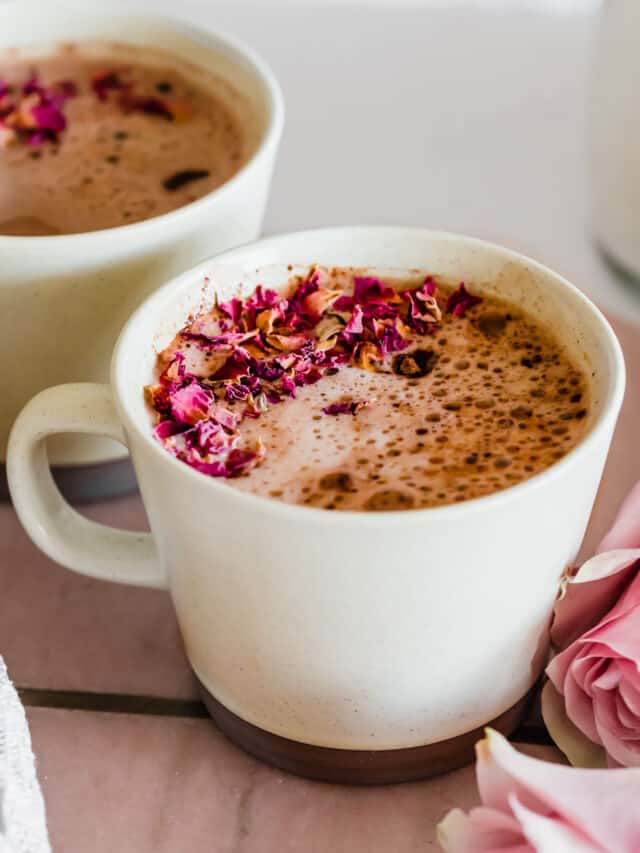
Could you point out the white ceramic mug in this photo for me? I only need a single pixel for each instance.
(64, 299)
(357, 634)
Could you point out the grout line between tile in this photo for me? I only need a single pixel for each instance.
(113, 703)
(121, 703)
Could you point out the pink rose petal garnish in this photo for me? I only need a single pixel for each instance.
(354, 326)
(254, 352)
(345, 408)
(49, 117)
(191, 403)
(461, 301)
(148, 104)
(35, 114)
(105, 82)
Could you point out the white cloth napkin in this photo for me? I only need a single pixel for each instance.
(23, 824)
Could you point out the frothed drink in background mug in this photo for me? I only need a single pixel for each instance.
(64, 298)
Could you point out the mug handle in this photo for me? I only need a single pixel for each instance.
(62, 533)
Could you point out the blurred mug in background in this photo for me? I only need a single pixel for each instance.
(615, 154)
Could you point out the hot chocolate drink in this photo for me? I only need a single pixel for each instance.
(95, 135)
(353, 392)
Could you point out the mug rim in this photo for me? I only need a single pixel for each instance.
(273, 98)
(609, 410)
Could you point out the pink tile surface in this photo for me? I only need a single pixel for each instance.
(125, 783)
(60, 630)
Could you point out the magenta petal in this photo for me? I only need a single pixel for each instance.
(32, 85)
(461, 301)
(48, 117)
(190, 403)
(368, 288)
(354, 326)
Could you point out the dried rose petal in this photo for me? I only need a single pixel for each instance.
(287, 343)
(36, 115)
(48, 117)
(391, 340)
(66, 88)
(32, 86)
(105, 82)
(368, 289)
(233, 310)
(148, 104)
(234, 391)
(354, 326)
(240, 461)
(191, 403)
(315, 304)
(257, 351)
(351, 408)
(461, 300)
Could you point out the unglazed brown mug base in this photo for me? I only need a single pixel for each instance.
(355, 766)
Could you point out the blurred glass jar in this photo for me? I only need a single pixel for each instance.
(615, 128)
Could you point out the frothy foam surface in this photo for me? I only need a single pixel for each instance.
(495, 400)
(109, 167)
(502, 403)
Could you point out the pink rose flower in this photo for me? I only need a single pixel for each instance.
(591, 705)
(532, 806)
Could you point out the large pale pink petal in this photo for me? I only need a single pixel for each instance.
(609, 677)
(600, 804)
(625, 532)
(620, 753)
(606, 717)
(550, 834)
(591, 593)
(626, 716)
(578, 748)
(496, 785)
(481, 831)
(579, 707)
(619, 631)
(631, 695)
(562, 671)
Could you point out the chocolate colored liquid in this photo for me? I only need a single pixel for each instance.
(111, 166)
(498, 401)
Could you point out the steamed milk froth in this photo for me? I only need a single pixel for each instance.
(485, 400)
(144, 135)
